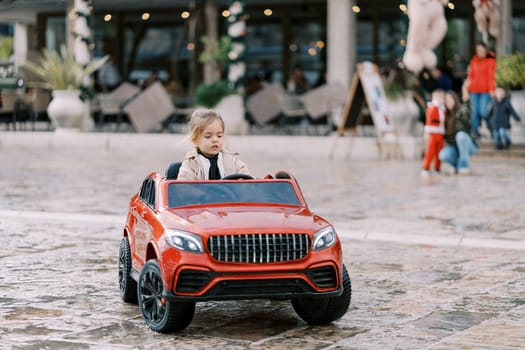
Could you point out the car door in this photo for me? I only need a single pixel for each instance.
(142, 214)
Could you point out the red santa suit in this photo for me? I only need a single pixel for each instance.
(435, 128)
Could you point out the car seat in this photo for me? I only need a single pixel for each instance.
(173, 171)
(283, 175)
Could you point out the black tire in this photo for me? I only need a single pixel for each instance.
(319, 311)
(160, 314)
(127, 285)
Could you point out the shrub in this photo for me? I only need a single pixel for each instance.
(209, 95)
(510, 71)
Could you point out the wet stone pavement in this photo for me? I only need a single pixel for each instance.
(63, 205)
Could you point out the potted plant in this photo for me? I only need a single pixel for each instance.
(66, 78)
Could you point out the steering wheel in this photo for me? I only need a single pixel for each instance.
(238, 177)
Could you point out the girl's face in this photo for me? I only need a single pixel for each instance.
(211, 140)
(450, 102)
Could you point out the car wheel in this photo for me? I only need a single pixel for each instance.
(160, 314)
(317, 311)
(127, 285)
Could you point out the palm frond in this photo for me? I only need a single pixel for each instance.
(60, 70)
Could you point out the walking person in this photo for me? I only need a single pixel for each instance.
(499, 113)
(459, 144)
(482, 78)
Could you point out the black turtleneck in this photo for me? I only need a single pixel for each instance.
(214, 173)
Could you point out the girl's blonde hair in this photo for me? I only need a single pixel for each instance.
(200, 119)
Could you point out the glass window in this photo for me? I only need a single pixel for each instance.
(160, 46)
(55, 32)
(518, 34)
(278, 192)
(456, 45)
(147, 192)
(263, 55)
(105, 37)
(307, 48)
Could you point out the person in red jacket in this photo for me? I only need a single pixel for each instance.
(434, 131)
(482, 77)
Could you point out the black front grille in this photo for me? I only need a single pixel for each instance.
(259, 248)
(190, 281)
(323, 277)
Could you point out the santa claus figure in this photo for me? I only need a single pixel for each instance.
(486, 14)
(427, 27)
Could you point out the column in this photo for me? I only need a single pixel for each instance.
(341, 42)
(211, 70)
(20, 44)
(504, 43)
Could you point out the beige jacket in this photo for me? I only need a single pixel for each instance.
(194, 167)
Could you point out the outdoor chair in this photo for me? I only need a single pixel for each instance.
(9, 100)
(264, 106)
(38, 101)
(322, 104)
(294, 117)
(178, 121)
(111, 105)
(150, 108)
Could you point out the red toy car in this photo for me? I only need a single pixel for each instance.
(190, 241)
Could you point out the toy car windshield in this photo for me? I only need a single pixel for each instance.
(182, 194)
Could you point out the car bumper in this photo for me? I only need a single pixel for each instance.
(263, 288)
(194, 284)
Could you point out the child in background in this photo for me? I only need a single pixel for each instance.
(434, 131)
(499, 114)
(209, 161)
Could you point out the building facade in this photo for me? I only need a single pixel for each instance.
(326, 38)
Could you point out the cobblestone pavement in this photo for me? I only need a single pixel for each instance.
(436, 263)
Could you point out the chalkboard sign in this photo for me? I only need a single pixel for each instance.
(367, 86)
(352, 111)
(366, 90)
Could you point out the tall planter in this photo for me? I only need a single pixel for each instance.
(405, 115)
(66, 110)
(232, 110)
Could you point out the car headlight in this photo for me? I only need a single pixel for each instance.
(324, 238)
(186, 241)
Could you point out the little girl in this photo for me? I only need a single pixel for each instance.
(209, 161)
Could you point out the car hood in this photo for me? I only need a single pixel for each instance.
(244, 220)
